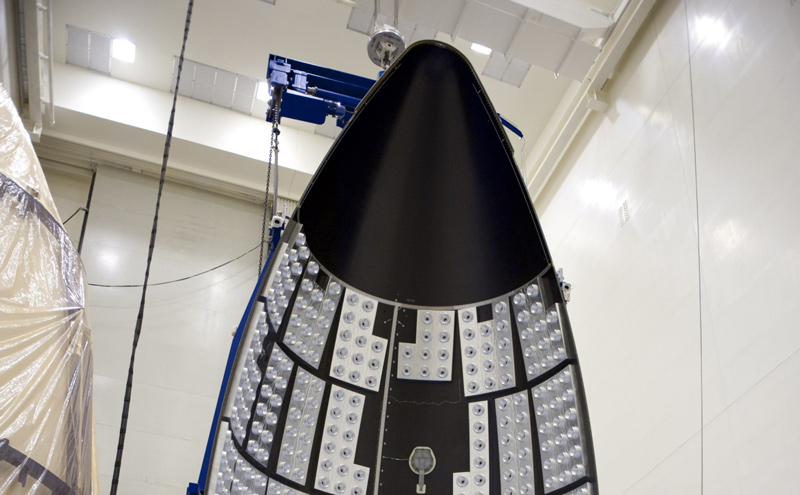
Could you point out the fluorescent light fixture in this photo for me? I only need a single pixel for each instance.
(481, 49)
(123, 50)
(264, 91)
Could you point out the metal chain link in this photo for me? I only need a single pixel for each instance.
(273, 146)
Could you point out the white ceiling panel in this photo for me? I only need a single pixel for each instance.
(203, 83)
(187, 77)
(553, 24)
(100, 53)
(488, 26)
(246, 86)
(496, 65)
(442, 15)
(360, 21)
(223, 88)
(511, 70)
(508, 6)
(422, 33)
(516, 71)
(541, 46)
(579, 60)
(77, 46)
(242, 103)
(245, 94)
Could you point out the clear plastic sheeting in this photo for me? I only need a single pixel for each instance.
(46, 423)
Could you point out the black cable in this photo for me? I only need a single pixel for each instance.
(183, 278)
(137, 331)
(76, 212)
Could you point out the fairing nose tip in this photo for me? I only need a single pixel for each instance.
(419, 200)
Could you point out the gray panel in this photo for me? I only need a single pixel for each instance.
(278, 488)
(476, 481)
(248, 384)
(312, 315)
(487, 350)
(515, 443)
(560, 431)
(337, 472)
(431, 357)
(285, 277)
(539, 330)
(358, 355)
(268, 409)
(301, 426)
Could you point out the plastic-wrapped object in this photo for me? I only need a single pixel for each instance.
(46, 422)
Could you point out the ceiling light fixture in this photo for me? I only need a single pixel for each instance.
(123, 50)
(481, 49)
(264, 91)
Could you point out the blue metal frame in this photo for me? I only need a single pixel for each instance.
(311, 93)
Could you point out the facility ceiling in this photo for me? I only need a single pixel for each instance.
(120, 118)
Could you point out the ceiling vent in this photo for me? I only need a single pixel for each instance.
(88, 49)
(216, 86)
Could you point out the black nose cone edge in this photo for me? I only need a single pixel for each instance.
(419, 199)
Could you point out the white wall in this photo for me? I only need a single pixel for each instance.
(685, 316)
(187, 326)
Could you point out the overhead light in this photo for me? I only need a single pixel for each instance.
(123, 50)
(481, 49)
(263, 92)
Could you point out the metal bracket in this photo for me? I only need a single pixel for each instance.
(422, 462)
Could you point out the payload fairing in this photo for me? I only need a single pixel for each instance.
(413, 336)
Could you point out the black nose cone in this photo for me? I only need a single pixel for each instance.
(419, 200)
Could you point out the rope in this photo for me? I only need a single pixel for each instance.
(182, 278)
(138, 330)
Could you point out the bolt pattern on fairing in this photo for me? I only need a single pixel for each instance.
(278, 488)
(515, 444)
(285, 279)
(236, 476)
(312, 315)
(358, 355)
(487, 350)
(263, 429)
(248, 384)
(476, 481)
(587, 489)
(337, 473)
(301, 426)
(540, 331)
(431, 357)
(558, 421)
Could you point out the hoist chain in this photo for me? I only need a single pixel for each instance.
(273, 147)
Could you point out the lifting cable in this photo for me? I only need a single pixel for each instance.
(137, 331)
